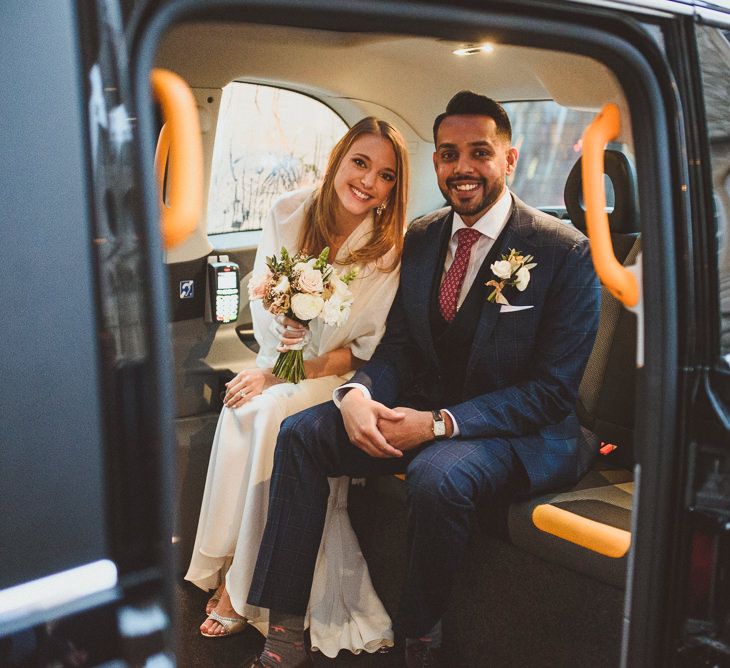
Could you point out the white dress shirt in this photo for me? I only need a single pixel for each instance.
(490, 225)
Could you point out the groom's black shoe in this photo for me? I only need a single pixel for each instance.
(422, 655)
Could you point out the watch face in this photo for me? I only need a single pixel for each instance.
(439, 428)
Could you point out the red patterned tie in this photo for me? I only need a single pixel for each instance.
(451, 287)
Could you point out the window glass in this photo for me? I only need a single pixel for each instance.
(268, 141)
(548, 138)
(714, 51)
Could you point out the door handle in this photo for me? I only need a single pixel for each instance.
(619, 281)
(178, 158)
(245, 333)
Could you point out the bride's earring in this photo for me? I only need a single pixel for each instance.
(381, 208)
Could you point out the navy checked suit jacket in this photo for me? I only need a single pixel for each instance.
(524, 367)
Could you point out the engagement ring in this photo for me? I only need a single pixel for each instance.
(242, 394)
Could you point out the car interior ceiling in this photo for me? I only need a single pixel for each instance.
(364, 75)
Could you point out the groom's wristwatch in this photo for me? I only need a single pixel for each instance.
(439, 426)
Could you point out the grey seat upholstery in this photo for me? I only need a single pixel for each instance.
(583, 525)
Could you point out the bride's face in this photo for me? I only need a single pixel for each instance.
(366, 175)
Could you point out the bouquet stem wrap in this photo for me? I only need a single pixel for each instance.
(290, 366)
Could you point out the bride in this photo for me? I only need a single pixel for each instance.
(359, 212)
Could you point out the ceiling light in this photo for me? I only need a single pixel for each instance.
(470, 50)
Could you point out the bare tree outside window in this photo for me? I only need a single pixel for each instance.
(548, 137)
(268, 141)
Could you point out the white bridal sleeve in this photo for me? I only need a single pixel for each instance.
(262, 319)
(370, 310)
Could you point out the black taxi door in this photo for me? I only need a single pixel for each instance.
(85, 423)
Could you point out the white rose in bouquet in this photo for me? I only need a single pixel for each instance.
(337, 308)
(336, 311)
(305, 306)
(310, 280)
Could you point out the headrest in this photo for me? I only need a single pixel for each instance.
(624, 217)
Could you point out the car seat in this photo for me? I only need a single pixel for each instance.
(587, 528)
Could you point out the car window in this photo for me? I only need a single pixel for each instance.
(548, 138)
(268, 141)
(714, 51)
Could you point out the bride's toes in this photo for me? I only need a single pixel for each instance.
(217, 626)
(211, 627)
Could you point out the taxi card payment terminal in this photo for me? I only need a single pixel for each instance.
(223, 296)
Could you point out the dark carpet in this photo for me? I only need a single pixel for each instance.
(509, 608)
(195, 650)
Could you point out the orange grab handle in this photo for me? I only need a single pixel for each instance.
(602, 538)
(180, 149)
(621, 283)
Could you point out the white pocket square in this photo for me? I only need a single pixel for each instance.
(511, 309)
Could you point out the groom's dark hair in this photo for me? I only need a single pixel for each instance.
(467, 103)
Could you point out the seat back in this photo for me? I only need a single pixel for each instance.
(606, 394)
(588, 528)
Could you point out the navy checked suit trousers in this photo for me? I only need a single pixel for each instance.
(445, 480)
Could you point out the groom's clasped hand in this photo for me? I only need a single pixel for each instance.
(383, 432)
(413, 429)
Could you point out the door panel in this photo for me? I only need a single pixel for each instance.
(52, 441)
(703, 612)
(206, 356)
(84, 387)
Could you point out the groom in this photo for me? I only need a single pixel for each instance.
(471, 392)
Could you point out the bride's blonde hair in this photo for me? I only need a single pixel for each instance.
(389, 226)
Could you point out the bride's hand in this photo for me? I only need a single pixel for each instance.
(246, 385)
(292, 334)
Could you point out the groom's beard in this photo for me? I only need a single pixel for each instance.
(489, 197)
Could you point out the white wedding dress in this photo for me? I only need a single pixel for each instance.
(344, 610)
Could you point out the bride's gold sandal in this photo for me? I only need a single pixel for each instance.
(232, 625)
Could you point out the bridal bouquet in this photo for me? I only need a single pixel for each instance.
(302, 288)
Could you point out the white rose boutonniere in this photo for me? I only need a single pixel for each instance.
(502, 269)
(513, 269)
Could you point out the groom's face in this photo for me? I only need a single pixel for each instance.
(472, 162)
